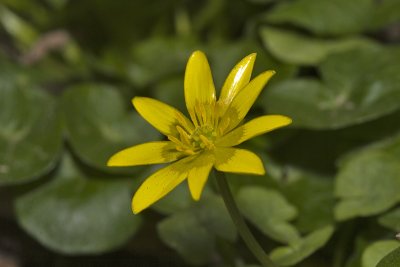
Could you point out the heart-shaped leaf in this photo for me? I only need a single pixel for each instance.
(295, 48)
(313, 196)
(30, 132)
(213, 215)
(193, 231)
(184, 233)
(325, 17)
(269, 211)
(100, 123)
(376, 251)
(75, 214)
(302, 248)
(169, 54)
(351, 91)
(390, 260)
(368, 181)
(391, 220)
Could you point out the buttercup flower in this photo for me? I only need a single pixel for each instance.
(207, 139)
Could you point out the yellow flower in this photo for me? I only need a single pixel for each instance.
(207, 139)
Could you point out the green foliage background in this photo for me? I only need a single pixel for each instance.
(331, 195)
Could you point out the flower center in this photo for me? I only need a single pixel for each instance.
(202, 138)
(207, 128)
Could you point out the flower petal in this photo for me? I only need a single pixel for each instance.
(162, 116)
(199, 84)
(237, 79)
(229, 159)
(160, 183)
(243, 101)
(253, 128)
(147, 153)
(198, 175)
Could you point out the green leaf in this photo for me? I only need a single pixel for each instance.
(224, 56)
(75, 214)
(30, 132)
(177, 200)
(390, 260)
(184, 233)
(325, 17)
(261, 1)
(205, 221)
(359, 183)
(100, 123)
(351, 91)
(391, 220)
(295, 48)
(158, 58)
(210, 210)
(376, 251)
(385, 13)
(269, 211)
(313, 197)
(170, 91)
(213, 215)
(17, 27)
(337, 17)
(302, 248)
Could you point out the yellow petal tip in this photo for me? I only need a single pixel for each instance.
(287, 120)
(197, 53)
(252, 56)
(136, 100)
(196, 198)
(135, 209)
(111, 161)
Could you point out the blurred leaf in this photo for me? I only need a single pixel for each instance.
(351, 91)
(75, 214)
(116, 24)
(184, 233)
(360, 244)
(269, 211)
(206, 220)
(302, 248)
(35, 12)
(100, 123)
(177, 200)
(296, 48)
(170, 91)
(390, 260)
(157, 58)
(21, 30)
(213, 215)
(391, 220)
(325, 17)
(313, 197)
(225, 55)
(262, 1)
(336, 17)
(385, 12)
(368, 181)
(30, 133)
(376, 251)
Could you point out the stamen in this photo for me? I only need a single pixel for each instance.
(176, 140)
(223, 126)
(183, 122)
(206, 142)
(203, 114)
(183, 135)
(185, 148)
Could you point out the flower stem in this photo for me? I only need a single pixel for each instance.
(241, 226)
